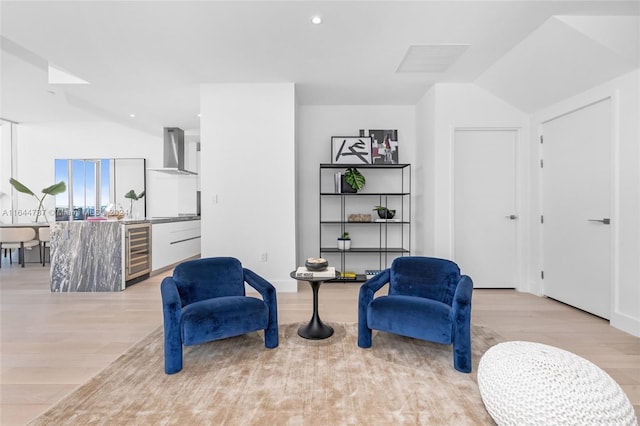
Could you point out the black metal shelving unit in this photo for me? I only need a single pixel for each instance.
(399, 229)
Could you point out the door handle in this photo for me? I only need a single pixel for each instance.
(511, 216)
(605, 221)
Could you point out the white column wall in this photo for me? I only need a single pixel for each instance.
(316, 126)
(625, 94)
(248, 177)
(425, 175)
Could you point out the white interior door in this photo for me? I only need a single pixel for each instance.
(577, 204)
(485, 213)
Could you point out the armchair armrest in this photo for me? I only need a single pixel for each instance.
(268, 293)
(171, 313)
(264, 287)
(367, 292)
(376, 282)
(369, 288)
(461, 324)
(171, 303)
(461, 306)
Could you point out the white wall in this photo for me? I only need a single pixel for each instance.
(172, 194)
(39, 144)
(248, 177)
(316, 126)
(442, 109)
(625, 94)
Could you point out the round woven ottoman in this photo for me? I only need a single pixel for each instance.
(526, 383)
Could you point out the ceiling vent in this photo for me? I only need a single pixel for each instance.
(434, 58)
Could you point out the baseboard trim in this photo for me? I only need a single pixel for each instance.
(625, 323)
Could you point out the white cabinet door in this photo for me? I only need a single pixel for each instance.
(174, 242)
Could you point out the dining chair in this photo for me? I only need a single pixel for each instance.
(44, 236)
(18, 238)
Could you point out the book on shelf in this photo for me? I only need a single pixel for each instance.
(370, 273)
(387, 220)
(303, 272)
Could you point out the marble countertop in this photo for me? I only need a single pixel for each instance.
(151, 220)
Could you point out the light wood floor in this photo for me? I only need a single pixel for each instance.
(52, 343)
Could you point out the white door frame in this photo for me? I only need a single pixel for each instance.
(520, 210)
(614, 191)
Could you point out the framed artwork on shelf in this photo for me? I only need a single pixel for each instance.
(351, 150)
(384, 146)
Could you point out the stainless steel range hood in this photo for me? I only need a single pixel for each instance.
(174, 155)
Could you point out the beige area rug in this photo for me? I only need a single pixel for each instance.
(236, 381)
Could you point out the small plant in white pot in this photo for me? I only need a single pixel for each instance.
(344, 241)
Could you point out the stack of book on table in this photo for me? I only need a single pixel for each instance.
(303, 272)
(348, 275)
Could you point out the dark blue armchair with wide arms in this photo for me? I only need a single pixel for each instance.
(205, 300)
(428, 299)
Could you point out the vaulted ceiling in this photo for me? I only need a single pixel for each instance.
(148, 58)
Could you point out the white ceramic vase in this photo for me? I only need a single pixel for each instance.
(344, 244)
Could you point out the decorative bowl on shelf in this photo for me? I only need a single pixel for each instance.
(316, 264)
(385, 213)
(114, 211)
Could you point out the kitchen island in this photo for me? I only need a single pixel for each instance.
(104, 256)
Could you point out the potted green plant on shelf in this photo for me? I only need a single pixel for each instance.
(55, 189)
(344, 241)
(385, 213)
(353, 180)
(131, 195)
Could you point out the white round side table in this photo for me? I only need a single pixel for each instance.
(527, 383)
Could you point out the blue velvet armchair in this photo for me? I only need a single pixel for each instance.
(428, 299)
(205, 300)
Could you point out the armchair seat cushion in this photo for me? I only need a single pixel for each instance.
(222, 317)
(409, 316)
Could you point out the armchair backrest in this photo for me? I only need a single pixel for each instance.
(427, 277)
(202, 279)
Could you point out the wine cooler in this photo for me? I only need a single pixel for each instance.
(137, 252)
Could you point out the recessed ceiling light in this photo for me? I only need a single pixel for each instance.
(132, 115)
(316, 20)
(199, 115)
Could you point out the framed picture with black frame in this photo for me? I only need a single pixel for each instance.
(384, 146)
(351, 150)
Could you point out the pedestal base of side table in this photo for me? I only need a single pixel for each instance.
(315, 330)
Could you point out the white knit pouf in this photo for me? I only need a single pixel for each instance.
(526, 383)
